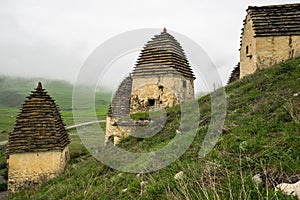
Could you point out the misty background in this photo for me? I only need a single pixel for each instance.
(52, 38)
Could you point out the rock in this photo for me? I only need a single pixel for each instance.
(4, 195)
(179, 175)
(289, 189)
(142, 184)
(257, 179)
(139, 176)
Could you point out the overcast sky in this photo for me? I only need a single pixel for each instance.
(53, 38)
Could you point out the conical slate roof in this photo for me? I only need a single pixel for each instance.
(163, 55)
(120, 105)
(39, 126)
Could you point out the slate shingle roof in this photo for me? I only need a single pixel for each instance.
(39, 126)
(275, 20)
(120, 105)
(163, 55)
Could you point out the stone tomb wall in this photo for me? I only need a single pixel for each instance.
(33, 168)
(248, 50)
(117, 130)
(160, 91)
(275, 49)
(154, 95)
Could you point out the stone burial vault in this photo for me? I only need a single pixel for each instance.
(38, 146)
(161, 78)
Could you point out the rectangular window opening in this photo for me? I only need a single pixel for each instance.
(151, 101)
(184, 83)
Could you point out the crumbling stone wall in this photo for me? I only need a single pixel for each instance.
(160, 92)
(118, 117)
(118, 129)
(152, 96)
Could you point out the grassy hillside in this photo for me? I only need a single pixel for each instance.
(15, 90)
(261, 136)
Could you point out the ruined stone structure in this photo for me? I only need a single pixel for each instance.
(117, 123)
(38, 146)
(235, 74)
(271, 34)
(161, 78)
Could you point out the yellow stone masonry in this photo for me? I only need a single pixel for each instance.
(30, 169)
(248, 49)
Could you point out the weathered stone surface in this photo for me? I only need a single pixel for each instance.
(161, 86)
(289, 189)
(271, 34)
(152, 96)
(257, 179)
(179, 175)
(117, 129)
(32, 169)
(143, 185)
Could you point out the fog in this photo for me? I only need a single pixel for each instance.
(53, 39)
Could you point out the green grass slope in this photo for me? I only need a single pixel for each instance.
(261, 136)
